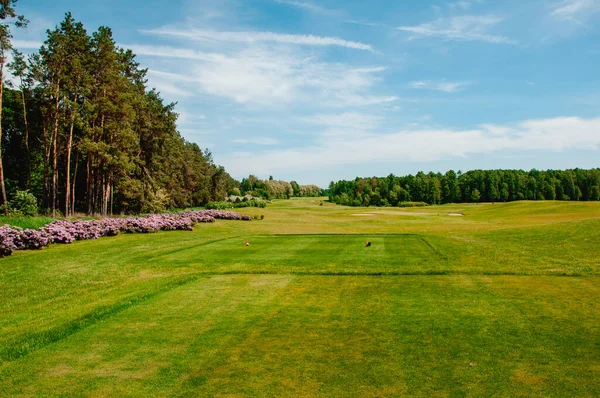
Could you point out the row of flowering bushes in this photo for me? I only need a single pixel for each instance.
(65, 231)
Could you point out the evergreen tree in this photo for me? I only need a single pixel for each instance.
(8, 17)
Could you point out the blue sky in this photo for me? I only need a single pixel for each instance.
(316, 91)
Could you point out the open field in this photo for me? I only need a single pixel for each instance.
(503, 301)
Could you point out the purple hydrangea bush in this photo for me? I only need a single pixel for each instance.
(65, 231)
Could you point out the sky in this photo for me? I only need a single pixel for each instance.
(318, 91)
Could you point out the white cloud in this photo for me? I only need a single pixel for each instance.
(462, 28)
(354, 100)
(308, 7)
(256, 141)
(265, 76)
(447, 87)
(361, 144)
(463, 5)
(165, 84)
(186, 118)
(27, 44)
(369, 24)
(173, 52)
(256, 37)
(577, 11)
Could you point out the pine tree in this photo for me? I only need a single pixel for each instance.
(8, 17)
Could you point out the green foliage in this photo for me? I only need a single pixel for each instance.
(223, 205)
(219, 205)
(84, 120)
(475, 195)
(158, 202)
(24, 203)
(412, 204)
(472, 186)
(595, 193)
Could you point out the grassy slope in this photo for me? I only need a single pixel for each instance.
(141, 314)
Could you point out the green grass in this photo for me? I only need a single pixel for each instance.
(307, 254)
(26, 222)
(503, 301)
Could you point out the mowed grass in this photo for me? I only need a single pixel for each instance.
(503, 301)
(308, 254)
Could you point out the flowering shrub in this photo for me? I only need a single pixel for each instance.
(65, 231)
(7, 240)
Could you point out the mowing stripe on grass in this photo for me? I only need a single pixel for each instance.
(432, 247)
(28, 343)
(182, 249)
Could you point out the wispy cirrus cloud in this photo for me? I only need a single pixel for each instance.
(461, 28)
(257, 37)
(463, 4)
(256, 141)
(447, 87)
(308, 7)
(265, 76)
(577, 11)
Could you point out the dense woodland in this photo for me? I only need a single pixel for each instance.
(82, 131)
(473, 186)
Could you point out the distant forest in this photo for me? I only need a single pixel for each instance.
(83, 133)
(470, 187)
(275, 189)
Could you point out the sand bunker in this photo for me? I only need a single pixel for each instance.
(456, 215)
(363, 214)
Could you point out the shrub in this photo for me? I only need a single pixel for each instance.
(23, 203)
(236, 205)
(158, 202)
(219, 205)
(7, 240)
(412, 204)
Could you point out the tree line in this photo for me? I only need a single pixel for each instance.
(82, 131)
(470, 187)
(275, 189)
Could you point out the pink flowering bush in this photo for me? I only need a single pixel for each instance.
(65, 231)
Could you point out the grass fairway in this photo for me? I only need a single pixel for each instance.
(503, 301)
(309, 254)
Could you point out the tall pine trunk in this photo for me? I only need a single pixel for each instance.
(74, 181)
(88, 184)
(88, 175)
(55, 152)
(26, 137)
(46, 168)
(4, 200)
(68, 165)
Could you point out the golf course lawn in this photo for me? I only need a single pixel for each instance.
(453, 300)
